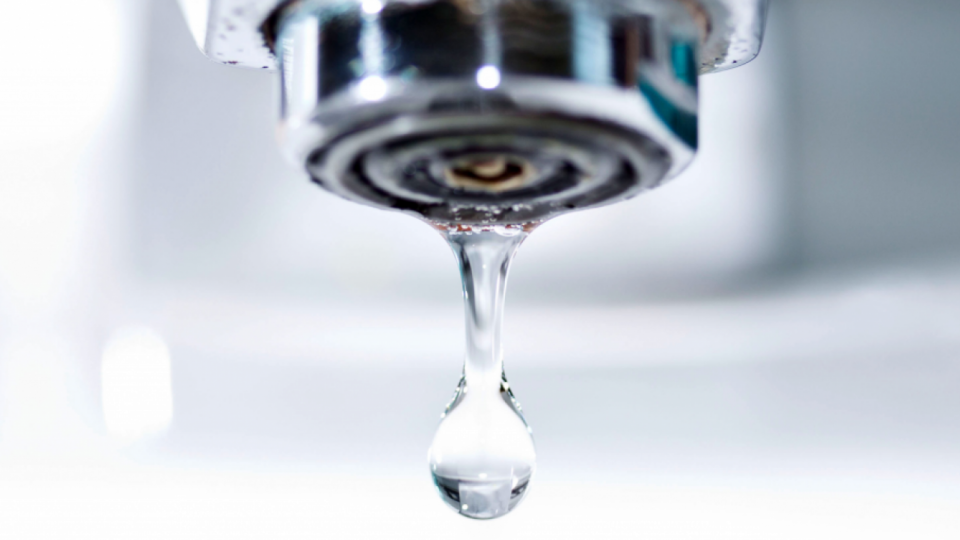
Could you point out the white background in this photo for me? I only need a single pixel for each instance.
(769, 347)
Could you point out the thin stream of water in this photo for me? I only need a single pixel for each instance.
(483, 457)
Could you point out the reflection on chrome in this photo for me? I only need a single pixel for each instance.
(488, 77)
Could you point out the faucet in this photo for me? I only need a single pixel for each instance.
(486, 118)
(485, 112)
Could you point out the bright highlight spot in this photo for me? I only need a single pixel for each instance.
(137, 389)
(372, 7)
(488, 77)
(373, 88)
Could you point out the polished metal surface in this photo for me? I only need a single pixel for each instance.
(732, 31)
(232, 31)
(486, 111)
(582, 104)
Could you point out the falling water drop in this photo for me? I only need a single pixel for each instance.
(483, 458)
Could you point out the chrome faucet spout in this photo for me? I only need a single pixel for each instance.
(485, 111)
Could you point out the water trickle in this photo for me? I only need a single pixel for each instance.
(483, 458)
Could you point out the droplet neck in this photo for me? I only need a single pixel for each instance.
(485, 256)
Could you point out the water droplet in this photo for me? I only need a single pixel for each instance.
(483, 457)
